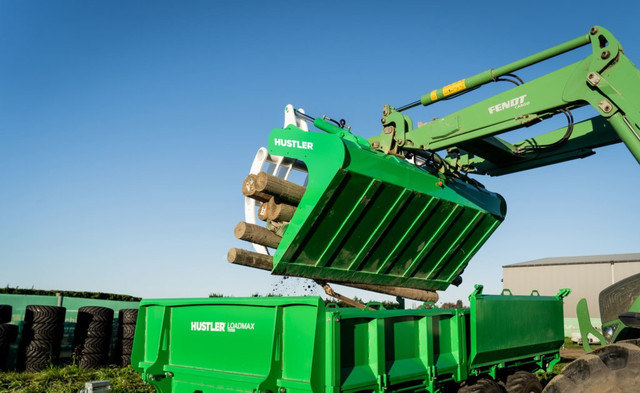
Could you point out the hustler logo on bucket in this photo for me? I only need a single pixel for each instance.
(293, 143)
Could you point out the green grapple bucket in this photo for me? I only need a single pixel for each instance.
(371, 218)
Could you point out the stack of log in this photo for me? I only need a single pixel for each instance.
(278, 200)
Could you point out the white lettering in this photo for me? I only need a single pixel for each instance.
(221, 326)
(517, 102)
(293, 143)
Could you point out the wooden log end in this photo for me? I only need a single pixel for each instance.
(256, 234)
(282, 189)
(249, 258)
(240, 230)
(249, 189)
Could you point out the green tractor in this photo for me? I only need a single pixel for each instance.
(614, 366)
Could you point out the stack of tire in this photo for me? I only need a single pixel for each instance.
(42, 333)
(127, 318)
(8, 334)
(92, 336)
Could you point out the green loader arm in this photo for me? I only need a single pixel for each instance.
(606, 80)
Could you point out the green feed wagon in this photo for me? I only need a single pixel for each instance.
(299, 344)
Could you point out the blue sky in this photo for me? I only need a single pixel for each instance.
(126, 129)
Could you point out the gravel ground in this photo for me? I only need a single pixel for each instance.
(571, 353)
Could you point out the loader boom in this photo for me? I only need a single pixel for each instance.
(389, 212)
(605, 80)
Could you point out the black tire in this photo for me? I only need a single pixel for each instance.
(126, 347)
(128, 331)
(37, 348)
(125, 360)
(96, 314)
(36, 314)
(614, 367)
(128, 316)
(34, 365)
(100, 331)
(482, 386)
(44, 332)
(40, 355)
(92, 361)
(8, 333)
(633, 341)
(523, 382)
(5, 313)
(92, 336)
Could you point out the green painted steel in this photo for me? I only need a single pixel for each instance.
(368, 217)
(586, 328)
(299, 344)
(606, 80)
(507, 327)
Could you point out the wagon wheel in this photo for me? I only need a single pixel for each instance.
(523, 382)
(482, 386)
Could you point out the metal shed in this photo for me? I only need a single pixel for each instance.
(585, 275)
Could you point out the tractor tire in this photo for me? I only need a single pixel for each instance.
(125, 360)
(95, 314)
(126, 347)
(482, 386)
(128, 316)
(610, 369)
(523, 382)
(5, 313)
(40, 355)
(634, 341)
(45, 332)
(8, 333)
(93, 361)
(128, 331)
(35, 315)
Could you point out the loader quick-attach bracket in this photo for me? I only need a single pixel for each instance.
(605, 80)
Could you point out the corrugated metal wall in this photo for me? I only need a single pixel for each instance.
(585, 280)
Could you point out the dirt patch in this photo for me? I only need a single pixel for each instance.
(571, 353)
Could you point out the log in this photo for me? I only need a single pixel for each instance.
(283, 190)
(263, 211)
(421, 295)
(250, 258)
(249, 190)
(256, 234)
(279, 211)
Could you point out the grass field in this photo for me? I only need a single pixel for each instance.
(70, 379)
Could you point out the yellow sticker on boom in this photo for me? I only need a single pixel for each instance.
(453, 88)
(433, 95)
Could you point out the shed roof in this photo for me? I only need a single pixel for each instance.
(579, 260)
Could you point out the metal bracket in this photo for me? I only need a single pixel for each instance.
(329, 291)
